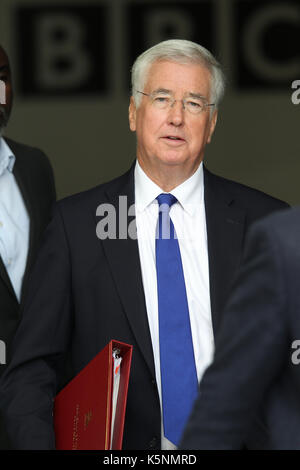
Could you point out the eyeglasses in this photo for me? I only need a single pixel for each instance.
(193, 105)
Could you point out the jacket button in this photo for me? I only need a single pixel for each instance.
(153, 443)
(153, 381)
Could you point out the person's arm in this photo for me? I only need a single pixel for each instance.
(251, 345)
(30, 381)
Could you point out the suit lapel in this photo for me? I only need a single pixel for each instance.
(5, 278)
(225, 233)
(123, 258)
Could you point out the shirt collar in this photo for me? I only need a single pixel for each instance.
(7, 158)
(189, 193)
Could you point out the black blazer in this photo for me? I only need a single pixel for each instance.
(34, 177)
(251, 392)
(85, 291)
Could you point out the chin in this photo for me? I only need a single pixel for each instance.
(173, 159)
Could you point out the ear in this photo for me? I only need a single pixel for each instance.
(132, 115)
(213, 122)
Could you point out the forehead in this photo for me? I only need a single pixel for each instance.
(178, 77)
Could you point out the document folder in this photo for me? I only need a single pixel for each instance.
(83, 409)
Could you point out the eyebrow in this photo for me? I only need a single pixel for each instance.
(169, 92)
(196, 96)
(162, 90)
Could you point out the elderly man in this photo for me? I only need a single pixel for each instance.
(162, 291)
(27, 192)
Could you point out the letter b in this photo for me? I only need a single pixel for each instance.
(60, 42)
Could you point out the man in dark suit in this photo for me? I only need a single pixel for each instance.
(27, 192)
(95, 281)
(251, 392)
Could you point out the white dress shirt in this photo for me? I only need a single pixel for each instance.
(188, 216)
(14, 221)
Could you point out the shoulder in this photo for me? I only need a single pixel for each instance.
(99, 194)
(276, 237)
(24, 150)
(243, 196)
(284, 226)
(28, 155)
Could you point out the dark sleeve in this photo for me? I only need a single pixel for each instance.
(30, 382)
(253, 327)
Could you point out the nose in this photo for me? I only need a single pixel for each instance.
(176, 113)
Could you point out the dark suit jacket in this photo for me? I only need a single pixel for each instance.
(85, 291)
(34, 177)
(254, 372)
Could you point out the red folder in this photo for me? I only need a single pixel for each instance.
(83, 408)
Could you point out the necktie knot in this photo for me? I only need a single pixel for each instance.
(165, 201)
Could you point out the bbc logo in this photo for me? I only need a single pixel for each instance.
(67, 49)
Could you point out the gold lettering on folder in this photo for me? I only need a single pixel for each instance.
(87, 418)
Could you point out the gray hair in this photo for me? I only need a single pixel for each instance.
(183, 52)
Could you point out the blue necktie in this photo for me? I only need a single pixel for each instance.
(177, 362)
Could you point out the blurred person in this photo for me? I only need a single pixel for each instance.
(251, 392)
(162, 293)
(27, 192)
